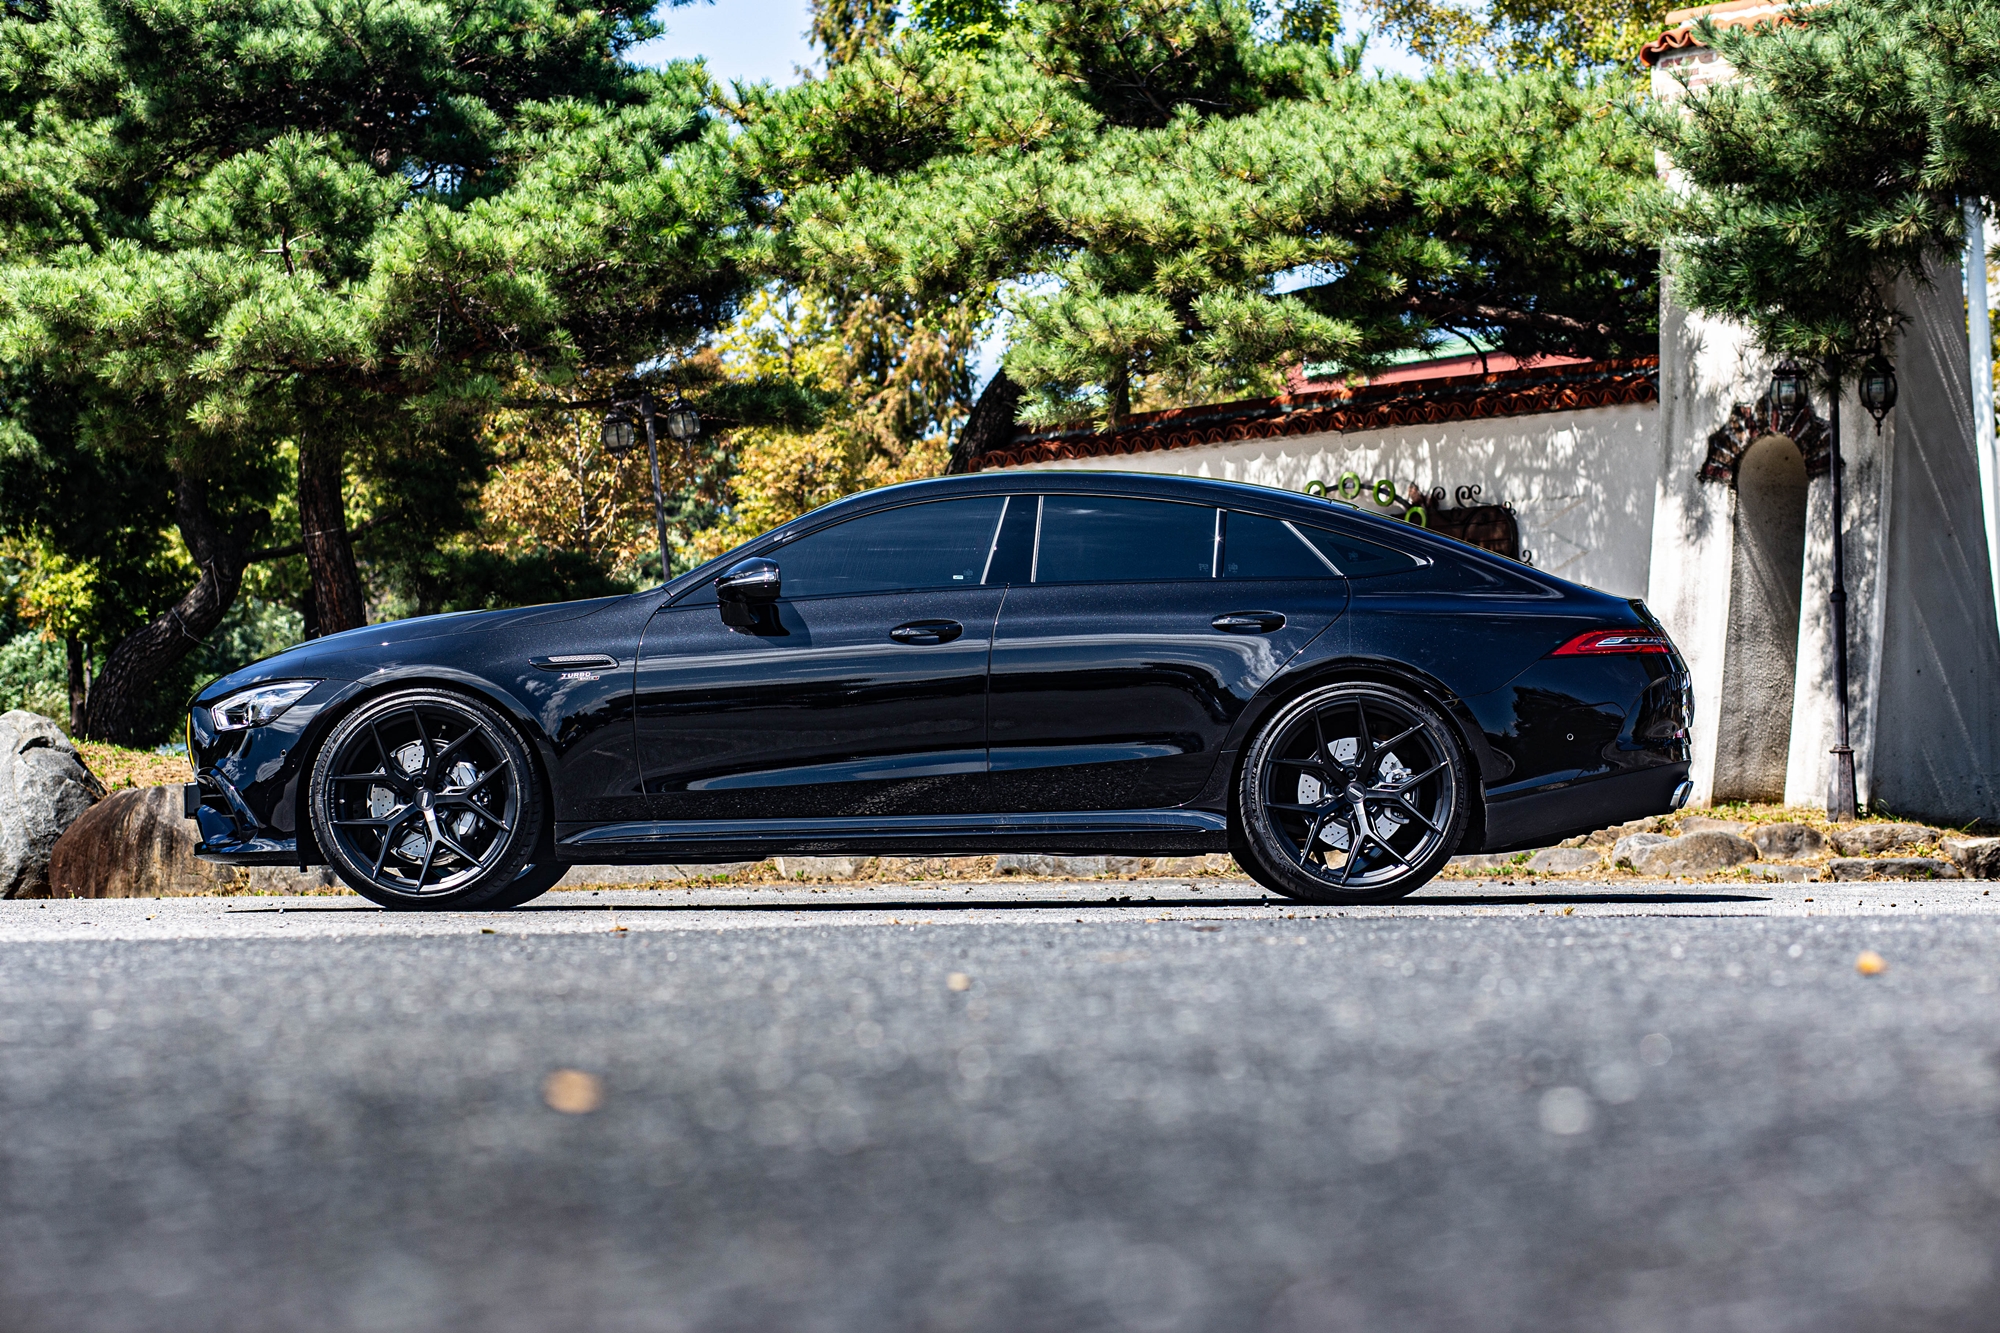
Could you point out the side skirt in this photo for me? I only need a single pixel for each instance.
(1133, 832)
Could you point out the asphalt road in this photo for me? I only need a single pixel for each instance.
(1677, 1107)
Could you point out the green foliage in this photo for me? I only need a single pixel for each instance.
(1835, 165)
(34, 676)
(1181, 205)
(1600, 35)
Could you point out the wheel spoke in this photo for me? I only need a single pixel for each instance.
(475, 808)
(1403, 803)
(430, 853)
(1293, 807)
(483, 779)
(389, 837)
(1400, 737)
(1364, 743)
(451, 844)
(1383, 843)
(424, 751)
(1312, 836)
(1323, 752)
(446, 752)
(1397, 789)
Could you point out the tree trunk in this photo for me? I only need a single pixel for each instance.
(79, 683)
(112, 710)
(329, 549)
(989, 426)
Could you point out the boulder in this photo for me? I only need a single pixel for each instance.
(1068, 867)
(1610, 837)
(1487, 861)
(1787, 842)
(44, 789)
(1566, 859)
(1706, 824)
(1632, 844)
(1875, 839)
(1976, 858)
(819, 867)
(135, 843)
(1214, 863)
(1700, 853)
(1791, 874)
(1891, 867)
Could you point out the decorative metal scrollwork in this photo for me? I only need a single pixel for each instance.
(1493, 527)
(1751, 422)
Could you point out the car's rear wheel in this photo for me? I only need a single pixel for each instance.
(1352, 793)
(427, 799)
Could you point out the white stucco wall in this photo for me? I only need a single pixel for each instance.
(1582, 482)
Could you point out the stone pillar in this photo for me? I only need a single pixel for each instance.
(1934, 729)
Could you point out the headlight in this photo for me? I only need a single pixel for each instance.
(258, 705)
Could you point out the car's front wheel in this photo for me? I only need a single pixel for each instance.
(1351, 793)
(427, 799)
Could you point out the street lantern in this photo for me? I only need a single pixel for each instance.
(1789, 395)
(683, 422)
(621, 433)
(1878, 388)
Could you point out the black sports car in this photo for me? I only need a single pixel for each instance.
(1007, 662)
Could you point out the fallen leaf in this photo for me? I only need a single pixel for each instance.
(1870, 963)
(486, 930)
(958, 981)
(573, 1092)
(1570, 910)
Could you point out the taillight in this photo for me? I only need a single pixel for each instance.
(1612, 642)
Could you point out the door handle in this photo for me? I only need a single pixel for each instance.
(927, 631)
(1248, 622)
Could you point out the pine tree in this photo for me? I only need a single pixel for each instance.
(1836, 164)
(229, 227)
(1178, 204)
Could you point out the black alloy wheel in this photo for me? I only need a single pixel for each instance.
(1352, 793)
(427, 799)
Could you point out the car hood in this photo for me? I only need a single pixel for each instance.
(354, 653)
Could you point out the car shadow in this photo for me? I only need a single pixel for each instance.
(968, 904)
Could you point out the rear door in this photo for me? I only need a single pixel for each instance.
(864, 693)
(1132, 641)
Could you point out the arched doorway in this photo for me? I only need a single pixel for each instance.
(1760, 663)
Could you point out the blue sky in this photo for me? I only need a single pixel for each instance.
(757, 40)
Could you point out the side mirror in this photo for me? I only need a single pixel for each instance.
(746, 588)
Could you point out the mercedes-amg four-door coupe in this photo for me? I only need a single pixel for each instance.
(1068, 662)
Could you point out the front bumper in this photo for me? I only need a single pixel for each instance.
(245, 797)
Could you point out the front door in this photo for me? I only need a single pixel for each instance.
(1141, 631)
(861, 692)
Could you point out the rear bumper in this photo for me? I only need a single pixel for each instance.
(1550, 814)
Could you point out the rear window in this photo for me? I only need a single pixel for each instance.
(1256, 547)
(1353, 556)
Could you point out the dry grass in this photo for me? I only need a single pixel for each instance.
(116, 766)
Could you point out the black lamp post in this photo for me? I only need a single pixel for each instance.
(621, 436)
(1878, 394)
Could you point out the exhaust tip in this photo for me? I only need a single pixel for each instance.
(1682, 792)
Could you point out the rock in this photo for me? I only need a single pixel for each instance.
(1976, 858)
(1891, 867)
(1632, 844)
(1566, 859)
(1874, 839)
(1791, 874)
(1704, 824)
(819, 867)
(136, 843)
(590, 876)
(1067, 867)
(1214, 863)
(1488, 861)
(44, 789)
(1699, 853)
(1609, 837)
(1787, 842)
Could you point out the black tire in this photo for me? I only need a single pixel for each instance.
(1353, 793)
(536, 880)
(426, 800)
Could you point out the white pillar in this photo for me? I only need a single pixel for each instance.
(1980, 330)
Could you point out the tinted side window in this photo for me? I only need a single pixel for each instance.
(1110, 539)
(1354, 557)
(1256, 547)
(943, 544)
